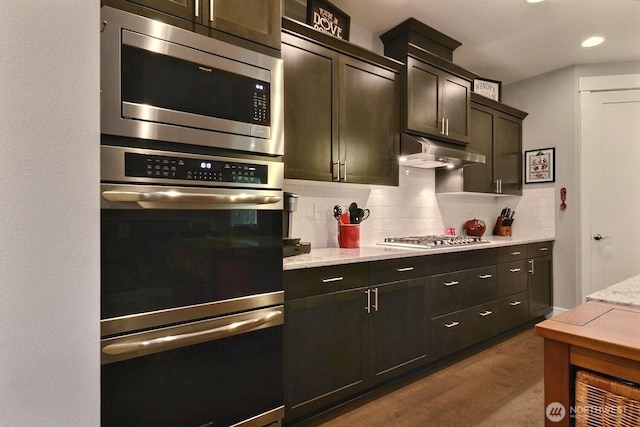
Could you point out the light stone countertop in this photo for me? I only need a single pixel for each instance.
(320, 257)
(626, 292)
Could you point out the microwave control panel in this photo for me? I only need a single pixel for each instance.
(191, 169)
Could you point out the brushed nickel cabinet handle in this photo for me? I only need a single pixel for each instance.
(515, 303)
(515, 270)
(375, 299)
(486, 313)
(451, 324)
(197, 7)
(485, 276)
(451, 283)
(544, 249)
(368, 307)
(515, 253)
(211, 8)
(332, 279)
(403, 269)
(532, 271)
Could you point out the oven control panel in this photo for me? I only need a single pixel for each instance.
(194, 169)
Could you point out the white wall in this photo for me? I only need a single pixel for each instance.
(49, 227)
(552, 102)
(412, 208)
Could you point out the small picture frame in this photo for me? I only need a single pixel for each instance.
(491, 89)
(326, 18)
(540, 165)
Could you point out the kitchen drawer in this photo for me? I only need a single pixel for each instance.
(512, 277)
(539, 249)
(482, 321)
(447, 334)
(512, 311)
(394, 270)
(456, 261)
(462, 289)
(454, 331)
(511, 253)
(321, 280)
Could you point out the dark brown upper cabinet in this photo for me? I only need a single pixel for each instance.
(436, 93)
(341, 110)
(253, 20)
(496, 132)
(437, 102)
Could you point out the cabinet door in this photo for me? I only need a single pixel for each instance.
(540, 286)
(255, 20)
(423, 98)
(310, 110)
(507, 152)
(326, 343)
(185, 9)
(399, 328)
(368, 123)
(456, 95)
(479, 178)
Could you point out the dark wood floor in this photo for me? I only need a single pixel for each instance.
(498, 386)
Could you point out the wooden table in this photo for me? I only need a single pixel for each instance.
(597, 336)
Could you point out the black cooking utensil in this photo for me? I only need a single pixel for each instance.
(363, 214)
(353, 213)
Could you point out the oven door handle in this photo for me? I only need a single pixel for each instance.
(179, 340)
(180, 197)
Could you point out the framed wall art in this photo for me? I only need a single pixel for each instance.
(325, 17)
(540, 165)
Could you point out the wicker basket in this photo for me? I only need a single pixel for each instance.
(603, 402)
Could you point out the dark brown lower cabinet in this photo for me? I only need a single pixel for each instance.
(399, 327)
(338, 344)
(326, 339)
(351, 327)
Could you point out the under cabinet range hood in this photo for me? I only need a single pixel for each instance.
(435, 154)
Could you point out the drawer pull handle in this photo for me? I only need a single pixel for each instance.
(332, 279)
(452, 324)
(515, 253)
(515, 303)
(485, 276)
(452, 283)
(543, 249)
(515, 270)
(486, 313)
(403, 269)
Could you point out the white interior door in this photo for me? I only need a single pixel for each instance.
(610, 187)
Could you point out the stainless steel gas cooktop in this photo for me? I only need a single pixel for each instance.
(432, 241)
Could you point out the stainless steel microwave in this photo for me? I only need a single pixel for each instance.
(164, 83)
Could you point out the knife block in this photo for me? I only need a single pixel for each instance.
(502, 227)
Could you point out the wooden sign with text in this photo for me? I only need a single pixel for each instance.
(325, 17)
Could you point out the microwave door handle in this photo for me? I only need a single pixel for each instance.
(178, 197)
(157, 345)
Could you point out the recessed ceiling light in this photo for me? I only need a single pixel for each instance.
(592, 41)
(535, 1)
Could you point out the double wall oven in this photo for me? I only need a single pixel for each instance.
(191, 229)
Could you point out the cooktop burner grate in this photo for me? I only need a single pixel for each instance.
(432, 241)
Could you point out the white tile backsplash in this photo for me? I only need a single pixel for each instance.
(412, 208)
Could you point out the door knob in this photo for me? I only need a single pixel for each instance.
(600, 237)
